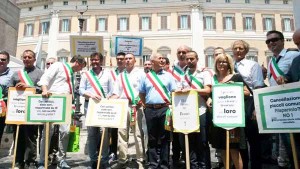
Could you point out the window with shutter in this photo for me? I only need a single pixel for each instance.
(145, 23)
(164, 22)
(183, 22)
(44, 28)
(29, 29)
(65, 25)
(101, 24)
(123, 24)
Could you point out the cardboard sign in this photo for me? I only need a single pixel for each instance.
(185, 112)
(85, 45)
(228, 105)
(110, 113)
(278, 108)
(16, 104)
(56, 108)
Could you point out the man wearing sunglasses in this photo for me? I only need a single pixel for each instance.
(279, 65)
(49, 62)
(5, 75)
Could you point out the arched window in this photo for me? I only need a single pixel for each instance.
(164, 50)
(63, 55)
(209, 57)
(147, 52)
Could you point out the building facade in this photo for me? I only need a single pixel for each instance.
(164, 25)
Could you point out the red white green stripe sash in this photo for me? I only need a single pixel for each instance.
(193, 82)
(70, 78)
(128, 90)
(114, 74)
(275, 70)
(2, 104)
(91, 76)
(177, 73)
(159, 86)
(25, 78)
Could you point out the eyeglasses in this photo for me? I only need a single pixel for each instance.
(49, 63)
(183, 52)
(3, 60)
(272, 40)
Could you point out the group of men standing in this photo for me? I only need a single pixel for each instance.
(149, 95)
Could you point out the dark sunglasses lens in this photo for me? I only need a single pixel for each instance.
(272, 40)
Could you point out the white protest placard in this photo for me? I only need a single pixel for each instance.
(56, 109)
(185, 112)
(110, 113)
(278, 108)
(16, 103)
(85, 45)
(228, 105)
(129, 44)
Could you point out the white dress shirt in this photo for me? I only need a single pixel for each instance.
(251, 73)
(284, 64)
(55, 79)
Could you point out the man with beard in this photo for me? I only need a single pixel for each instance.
(59, 79)
(147, 66)
(27, 78)
(96, 84)
(199, 80)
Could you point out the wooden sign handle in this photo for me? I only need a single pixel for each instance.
(16, 146)
(187, 151)
(295, 157)
(46, 144)
(100, 149)
(227, 149)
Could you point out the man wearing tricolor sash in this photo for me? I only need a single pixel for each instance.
(60, 79)
(120, 58)
(5, 75)
(126, 87)
(27, 78)
(177, 72)
(97, 84)
(155, 93)
(278, 66)
(200, 81)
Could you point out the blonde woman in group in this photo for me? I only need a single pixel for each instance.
(225, 74)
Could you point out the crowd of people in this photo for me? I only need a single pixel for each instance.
(149, 94)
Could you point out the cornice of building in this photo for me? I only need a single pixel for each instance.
(21, 3)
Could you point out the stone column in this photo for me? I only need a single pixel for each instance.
(296, 4)
(53, 33)
(197, 33)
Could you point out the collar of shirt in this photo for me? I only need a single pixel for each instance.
(5, 72)
(282, 53)
(29, 69)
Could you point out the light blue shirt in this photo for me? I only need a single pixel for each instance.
(152, 95)
(284, 64)
(105, 80)
(4, 81)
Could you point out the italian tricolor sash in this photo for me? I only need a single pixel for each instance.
(177, 72)
(92, 78)
(25, 78)
(2, 104)
(192, 81)
(215, 80)
(163, 92)
(275, 70)
(70, 80)
(128, 90)
(114, 74)
(159, 86)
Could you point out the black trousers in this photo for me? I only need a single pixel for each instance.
(2, 125)
(178, 146)
(253, 138)
(155, 119)
(26, 143)
(114, 140)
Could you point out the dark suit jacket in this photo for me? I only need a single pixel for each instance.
(293, 74)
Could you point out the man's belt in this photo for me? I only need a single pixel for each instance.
(157, 106)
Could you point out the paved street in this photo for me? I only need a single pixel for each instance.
(80, 159)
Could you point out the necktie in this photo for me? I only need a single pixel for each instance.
(236, 68)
